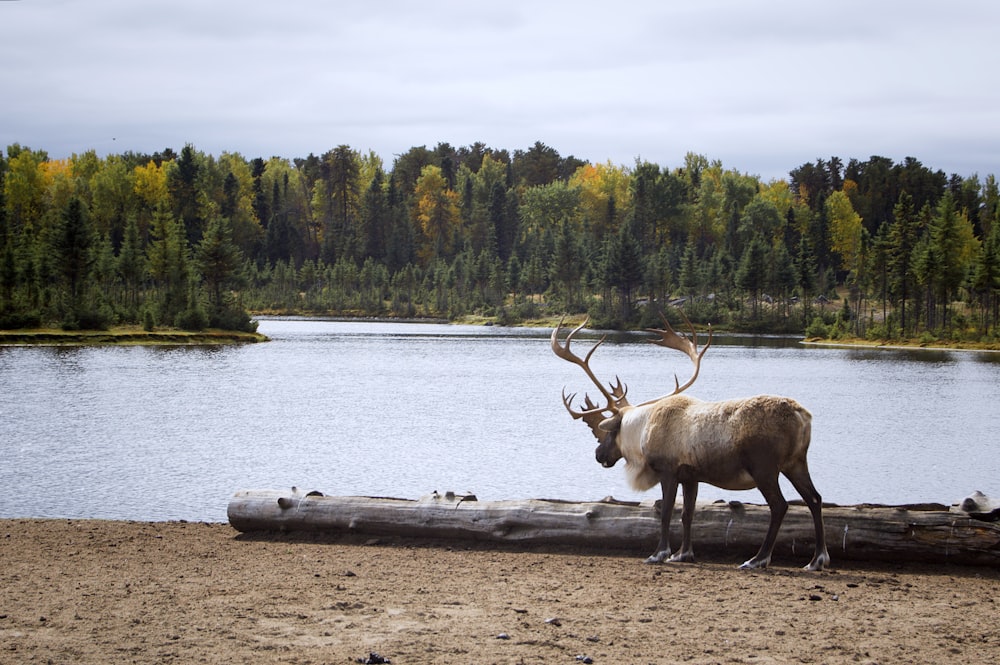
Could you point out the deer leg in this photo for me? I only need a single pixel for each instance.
(669, 487)
(768, 486)
(686, 552)
(803, 484)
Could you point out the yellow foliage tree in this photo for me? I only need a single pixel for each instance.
(23, 189)
(150, 183)
(599, 186)
(780, 194)
(58, 182)
(845, 229)
(437, 215)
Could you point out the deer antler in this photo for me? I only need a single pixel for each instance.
(592, 414)
(616, 395)
(670, 339)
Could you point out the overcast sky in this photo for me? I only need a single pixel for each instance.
(762, 86)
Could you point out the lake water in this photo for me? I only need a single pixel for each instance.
(402, 410)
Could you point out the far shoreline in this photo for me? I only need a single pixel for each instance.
(136, 336)
(900, 346)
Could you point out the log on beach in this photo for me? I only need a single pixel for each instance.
(928, 533)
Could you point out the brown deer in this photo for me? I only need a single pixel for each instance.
(676, 440)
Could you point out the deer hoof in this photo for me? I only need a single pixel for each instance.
(819, 562)
(658, 557)
(754, 564)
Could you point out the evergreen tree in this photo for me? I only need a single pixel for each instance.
(131, 267)
(218, 259)
(375, 219)
(946, 246)
(71, 247)
(782, 277)
(8, 277)
(182, 183)
(902, 243)
(503, 222)
(401, 240)
(986, 281)
(690, 272)
(567, 266)
(341, 168)
(805, 267)
(167, 256)
(751, 276)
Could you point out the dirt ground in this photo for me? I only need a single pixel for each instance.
(123, 592)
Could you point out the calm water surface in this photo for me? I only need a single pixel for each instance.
(384, 409)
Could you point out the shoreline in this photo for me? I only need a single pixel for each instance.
(125, 336)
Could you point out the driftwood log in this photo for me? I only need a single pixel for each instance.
(929, 533)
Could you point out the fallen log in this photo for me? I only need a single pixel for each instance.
(927, 533)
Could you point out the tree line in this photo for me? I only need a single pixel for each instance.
(871, 248)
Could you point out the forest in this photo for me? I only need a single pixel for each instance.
(872, 248)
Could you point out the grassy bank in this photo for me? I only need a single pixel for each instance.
(124, 336)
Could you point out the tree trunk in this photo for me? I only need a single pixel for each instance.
(919, 533)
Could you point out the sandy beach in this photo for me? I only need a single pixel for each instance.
(83, 591)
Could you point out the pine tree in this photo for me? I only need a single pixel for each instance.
(902, 243)
(72, 250)
(218, 259)
(752, 273)
(131, 266)
(167, 256)
(986, 280)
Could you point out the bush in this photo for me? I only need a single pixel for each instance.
(193, 318)
(817, 328)
(12, 320)
(232, 319)
(87, 320)
(878, 331)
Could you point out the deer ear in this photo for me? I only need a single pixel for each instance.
(610, 424)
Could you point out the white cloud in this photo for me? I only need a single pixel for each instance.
(763, 87)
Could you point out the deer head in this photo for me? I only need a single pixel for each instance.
(605, 419)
